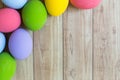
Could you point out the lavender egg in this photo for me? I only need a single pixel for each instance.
(20, 44)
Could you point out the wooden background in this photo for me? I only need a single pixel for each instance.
(79, 45)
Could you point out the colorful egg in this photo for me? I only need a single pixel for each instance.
(9, 20)
(2, 42)
(34, 15)
(85, 4)
(7, 66)
(15, 4)
(20, 44)
(56, 7)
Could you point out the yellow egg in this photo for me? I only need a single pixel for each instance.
(56, 7)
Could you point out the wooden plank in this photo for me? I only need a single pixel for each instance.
(77, 44)
(25, 68)
(107, 41)
(48, 51)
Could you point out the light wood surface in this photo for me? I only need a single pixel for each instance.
(79, 45)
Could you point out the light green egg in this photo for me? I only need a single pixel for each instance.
(34, 15)
(7, 66)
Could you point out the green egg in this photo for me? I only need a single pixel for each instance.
(34, 15)
(7, 66)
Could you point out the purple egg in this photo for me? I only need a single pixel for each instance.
(20, 44)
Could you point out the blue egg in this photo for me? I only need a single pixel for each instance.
(2, 42)
(15, 4)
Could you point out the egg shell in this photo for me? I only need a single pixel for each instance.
(15, 4)
(9, 20)
(34, 15)
(85, 4)
(7, 66)
(2, 42)
(56, 7)
(20, 44)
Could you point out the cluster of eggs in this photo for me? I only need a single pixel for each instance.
(34, 16)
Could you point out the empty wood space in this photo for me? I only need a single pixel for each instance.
(79, 45)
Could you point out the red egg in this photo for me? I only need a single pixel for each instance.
(9, 20)
(85, 4)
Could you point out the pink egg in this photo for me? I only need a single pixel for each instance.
(85, 4)
(9, 20)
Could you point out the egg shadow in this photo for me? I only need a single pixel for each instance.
(7, 36)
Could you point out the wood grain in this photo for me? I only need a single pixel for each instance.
(48, 51)
(107, 40)
(79, 45)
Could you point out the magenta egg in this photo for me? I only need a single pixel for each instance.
(10, 20)
(20, 44)
(85, 4)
